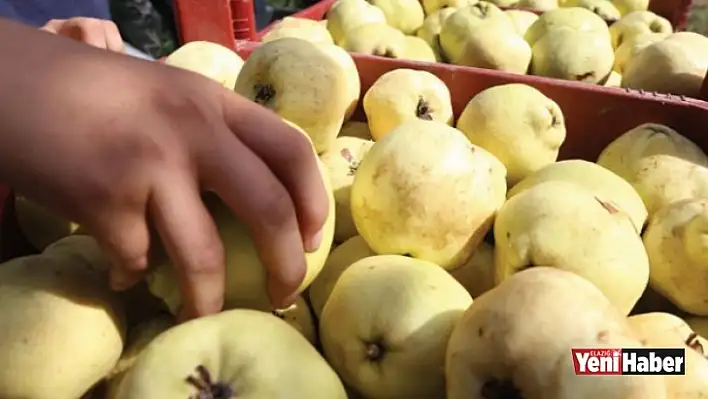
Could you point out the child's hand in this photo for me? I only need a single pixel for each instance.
(113, 142)
(99, 33)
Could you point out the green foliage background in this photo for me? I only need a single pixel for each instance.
(698, 18)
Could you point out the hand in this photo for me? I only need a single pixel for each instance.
(112, 142)
(99, 33)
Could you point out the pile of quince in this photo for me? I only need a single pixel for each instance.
(570, 41)
(461, 258)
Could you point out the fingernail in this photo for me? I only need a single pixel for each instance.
(287, 302)
(314, 242)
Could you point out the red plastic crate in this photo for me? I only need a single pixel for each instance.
(225, 21)
(594, 115)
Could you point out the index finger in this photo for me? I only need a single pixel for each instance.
(259, 200)
(289, 155)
